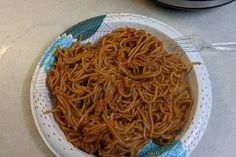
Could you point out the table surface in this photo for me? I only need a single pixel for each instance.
(28, 27)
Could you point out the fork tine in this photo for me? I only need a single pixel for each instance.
(182, 38)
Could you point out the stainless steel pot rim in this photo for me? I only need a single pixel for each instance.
(194, 3)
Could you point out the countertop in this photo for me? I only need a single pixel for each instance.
(28, 27)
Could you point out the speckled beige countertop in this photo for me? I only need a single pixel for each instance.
(28, 26)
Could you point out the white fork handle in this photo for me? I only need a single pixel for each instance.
(228, 46)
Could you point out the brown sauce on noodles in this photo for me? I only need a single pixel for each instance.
(113, 97)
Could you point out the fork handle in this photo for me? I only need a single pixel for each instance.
(227, 46)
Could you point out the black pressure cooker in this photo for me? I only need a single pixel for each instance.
(193, 4)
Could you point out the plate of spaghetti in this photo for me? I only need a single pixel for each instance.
(108, 86)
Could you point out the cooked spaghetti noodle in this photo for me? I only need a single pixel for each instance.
(113, 97)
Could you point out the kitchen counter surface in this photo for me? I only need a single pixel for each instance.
(28, 27)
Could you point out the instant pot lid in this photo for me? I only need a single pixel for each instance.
(194, 4)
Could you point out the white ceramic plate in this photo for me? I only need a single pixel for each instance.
(93, 29)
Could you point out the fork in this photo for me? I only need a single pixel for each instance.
(200, 44)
